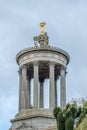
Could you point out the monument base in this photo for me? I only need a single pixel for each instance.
(33, 119)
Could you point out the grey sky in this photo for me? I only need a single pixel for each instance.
(66, 24)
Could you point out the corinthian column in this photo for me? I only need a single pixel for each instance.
(62, 88)
(41, 93)
(29, 90)
(56, 94)
(52, 86)
(20, 87)
(36, 75)
(24, 89)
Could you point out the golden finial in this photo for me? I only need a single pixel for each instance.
(42, 26)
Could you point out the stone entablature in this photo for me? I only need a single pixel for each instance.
(42, 56)
(28, 54)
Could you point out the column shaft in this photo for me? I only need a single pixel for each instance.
(20, 87)
(35, 100)
(56, 92)
(52, 86)
(41, 94)
(62, 88)
(29, 90)
(24, 90)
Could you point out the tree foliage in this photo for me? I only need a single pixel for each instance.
(61, 121)
(69, 123)
(70, 117)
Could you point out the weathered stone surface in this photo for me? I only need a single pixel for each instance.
(42, 55)
(28, 113)
(52, 128)
(34, 119)
(50, 50)
(63, 88)
(52, 85)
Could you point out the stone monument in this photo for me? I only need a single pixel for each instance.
(39, 63)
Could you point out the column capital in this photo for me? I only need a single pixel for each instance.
(63, 67)
(51, 63)
(36, 63)
(63, 70)
(24, 67)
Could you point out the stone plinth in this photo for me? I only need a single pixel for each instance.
(52, 128)
(33, 119)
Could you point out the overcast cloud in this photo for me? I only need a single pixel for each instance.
(66, 24)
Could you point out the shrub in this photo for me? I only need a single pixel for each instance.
(67, 117)
(56, 111)
(61, 121)
(69, 123)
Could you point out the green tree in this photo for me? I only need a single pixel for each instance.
(69, 123)
(65, 118)
(56, 111)
(61, 121)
